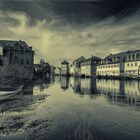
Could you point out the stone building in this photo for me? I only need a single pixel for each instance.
(88, 66)
(17, 54)
(77, 66)
(64, 68)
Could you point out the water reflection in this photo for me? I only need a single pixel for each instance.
(114, 90)
(42, 105)
(16, 110)
(64, 82)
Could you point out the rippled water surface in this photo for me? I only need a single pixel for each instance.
(73, 109)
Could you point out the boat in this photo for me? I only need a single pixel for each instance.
(8, 94)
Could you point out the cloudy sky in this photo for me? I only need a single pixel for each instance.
(67, 29)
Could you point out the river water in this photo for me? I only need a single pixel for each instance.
(73, 109)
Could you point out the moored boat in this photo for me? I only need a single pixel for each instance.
(10, 93)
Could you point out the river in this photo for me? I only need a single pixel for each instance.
(73, 109)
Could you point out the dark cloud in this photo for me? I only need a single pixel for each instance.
(72, 28)
(77, 11)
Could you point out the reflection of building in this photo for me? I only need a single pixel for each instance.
(88, 66)
(119, 90)
(111, 86)
(77, 85)
(88, 86)
(114, 90)
(64, 68)
(64, 82)
(83, 86)
(16, 53)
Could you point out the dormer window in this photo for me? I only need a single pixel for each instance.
(133, 56)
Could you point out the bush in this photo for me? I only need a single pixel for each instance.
(13, 74)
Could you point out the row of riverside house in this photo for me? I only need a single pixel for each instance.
(123, 64)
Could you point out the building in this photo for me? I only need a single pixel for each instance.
(71, 70)
(77, 66)
(17, 54)
(132, 63)
(108, 69)
(64, 68)
(43, 69)
(121, 64)
(112, 65)
(57, 71)
(52, 70)
(88, 66)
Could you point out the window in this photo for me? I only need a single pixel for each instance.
(132, 64)
(137, 56)
(21, 62)
(27, 62)
(133, 56)
(129, 57)
(135, 64)
(128, 64)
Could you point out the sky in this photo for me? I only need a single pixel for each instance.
(67, 29)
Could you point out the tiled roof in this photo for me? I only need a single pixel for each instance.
(122, 54)
(80, 59)
(13, 44)
(94, 58)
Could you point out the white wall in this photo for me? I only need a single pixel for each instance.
(64, 69)
(108, 69)
(86, 70)
(72, 70)
(131, 68)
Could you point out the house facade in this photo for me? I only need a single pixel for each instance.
(132, 63)
(88, 66)
(77, 66)
(121, 64)
(17, 54)
(71, 70)
(108, 69)
(64, 68)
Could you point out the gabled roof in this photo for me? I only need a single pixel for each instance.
(80, 59)
(93, 58)
(65, 62)
(121, 54)
(14, 44)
